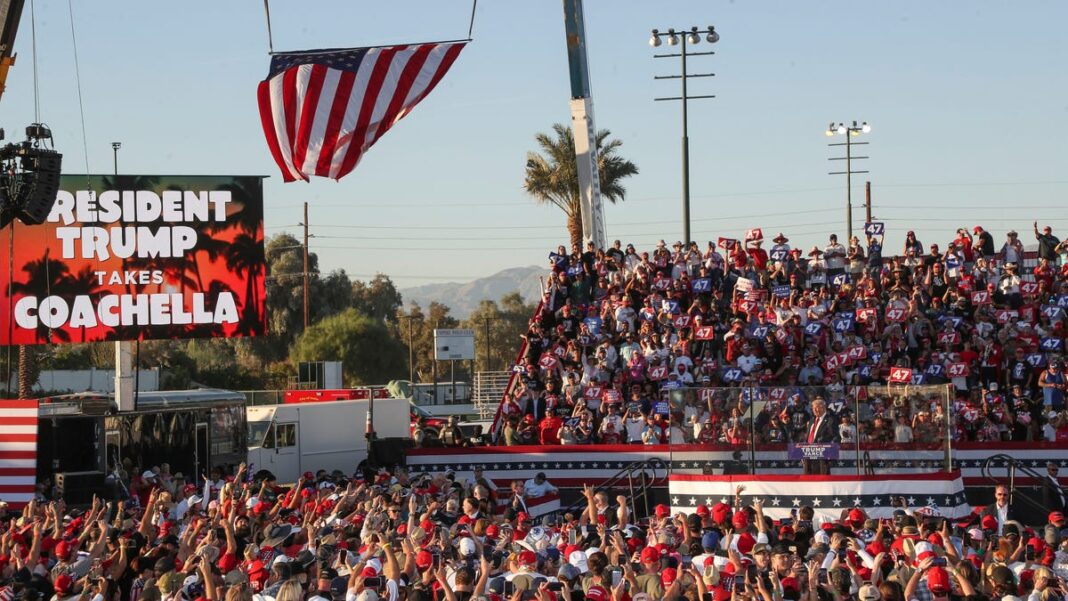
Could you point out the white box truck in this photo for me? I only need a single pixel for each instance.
(293, 438)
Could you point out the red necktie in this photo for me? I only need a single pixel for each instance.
(812, 432)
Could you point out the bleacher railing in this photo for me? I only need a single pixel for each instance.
(760, 422)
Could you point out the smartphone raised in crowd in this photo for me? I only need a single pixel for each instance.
(739, 582)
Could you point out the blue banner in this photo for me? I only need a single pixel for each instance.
(594, 325)
(873, 228)
(935, 370)
(821, 450)
(1051, 345)
(733, 375)
(702, 285)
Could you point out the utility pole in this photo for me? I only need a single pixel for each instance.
(849, 131)
(411, 349)
(305, 265)
(692, 37)
(487, 322)
(867, 202)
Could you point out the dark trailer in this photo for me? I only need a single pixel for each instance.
(82, 437)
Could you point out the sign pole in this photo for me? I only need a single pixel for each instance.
(856, 423)
(305, 265)
(124, 384)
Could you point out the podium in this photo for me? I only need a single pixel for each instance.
(814, 456)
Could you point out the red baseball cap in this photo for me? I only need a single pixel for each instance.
(597, 593)
(721, 512)
(63, 549)
(527, 558)
(977, 229)
(650, 555)
(856, 516)
(668, 576)
(990, 522)
(938, 580)
(703, 511)
(522, 517)
(423, 559)
(1056, 516)
(309, 476)
(492, 531)
(662, 511)
(63, 584)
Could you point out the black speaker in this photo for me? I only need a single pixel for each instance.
(39, 196)
(389, 451)
(78, 488)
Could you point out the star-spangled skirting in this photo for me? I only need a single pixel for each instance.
(571, 467)
(942, 493)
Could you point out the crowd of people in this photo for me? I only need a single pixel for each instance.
(624, 340)
(395, 535)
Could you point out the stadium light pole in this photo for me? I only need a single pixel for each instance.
(691, 37)
(850, 132)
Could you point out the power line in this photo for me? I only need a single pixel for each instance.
(974, 184)
(558, 227)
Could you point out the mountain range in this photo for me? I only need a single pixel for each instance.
(463, 297)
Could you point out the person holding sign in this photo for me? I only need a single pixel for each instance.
(781, 250)
(1009, 286)
(821, 429)
(817, 270)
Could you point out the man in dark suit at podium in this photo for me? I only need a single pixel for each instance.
(821, 429)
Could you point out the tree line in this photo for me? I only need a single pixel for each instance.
(364, 324)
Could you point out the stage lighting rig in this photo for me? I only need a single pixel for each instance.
(30, 177)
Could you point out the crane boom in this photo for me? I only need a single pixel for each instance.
(582, 126)
(10, 15)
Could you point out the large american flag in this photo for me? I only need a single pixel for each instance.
(322, 109)
(18, 451)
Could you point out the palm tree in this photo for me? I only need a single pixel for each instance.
(552, 178)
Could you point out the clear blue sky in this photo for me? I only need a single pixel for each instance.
(968, 101)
